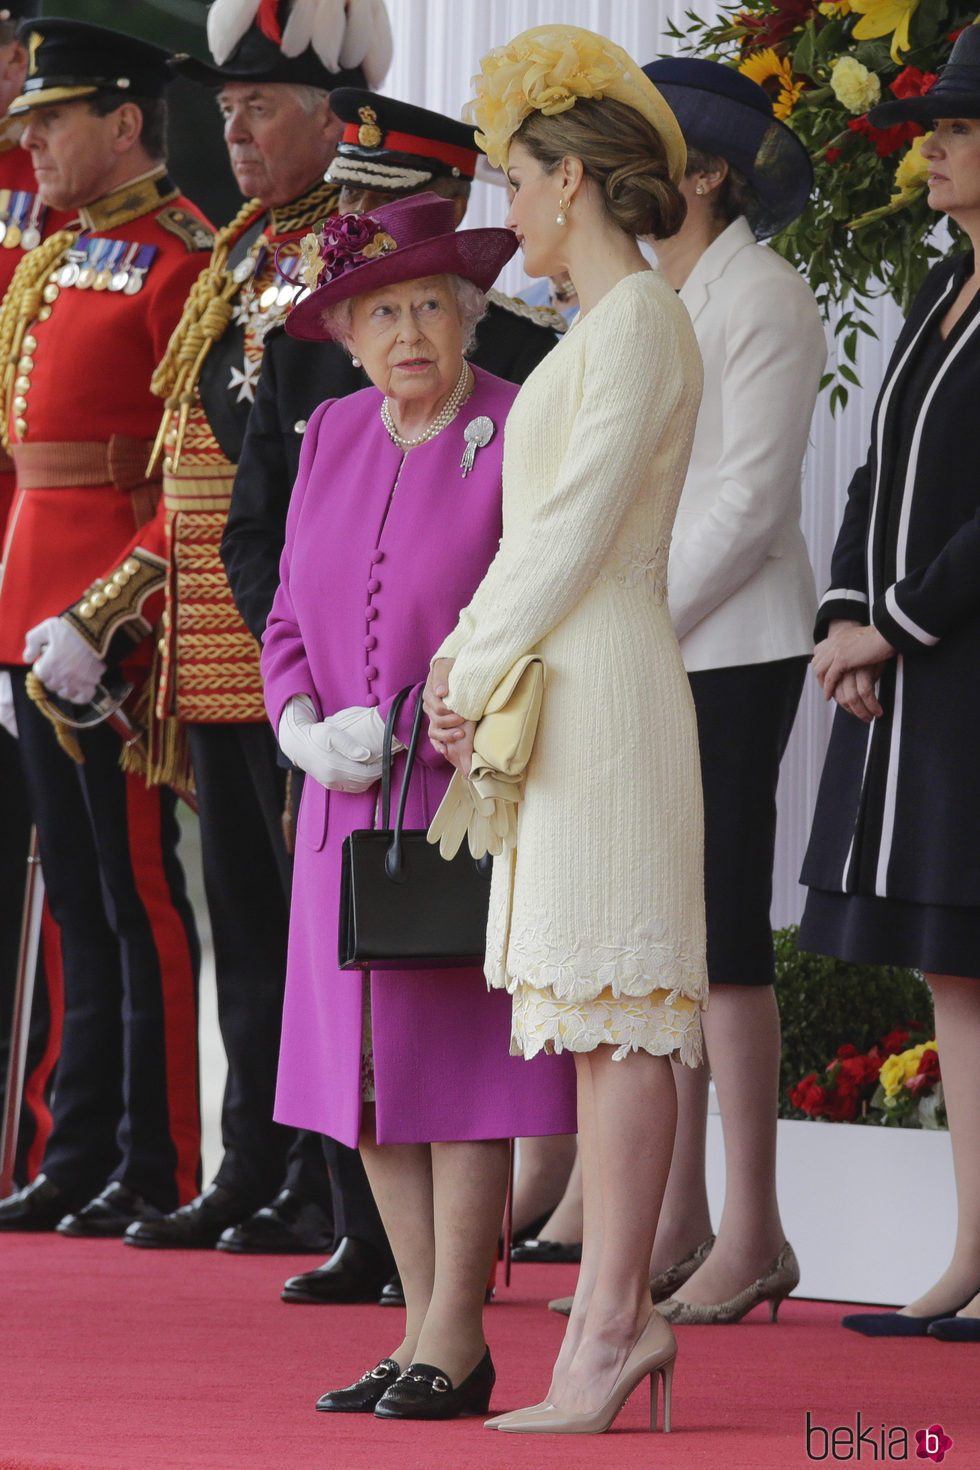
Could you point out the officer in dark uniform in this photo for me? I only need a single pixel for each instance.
(389, 150)
(87, 315)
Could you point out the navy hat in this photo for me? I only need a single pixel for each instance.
(282, 41)
(955, 93)
(71, 59)
(395, 147)
(722, 112)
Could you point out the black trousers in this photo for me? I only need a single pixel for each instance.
(247, 878)
(42, 1041)
(126, 1098)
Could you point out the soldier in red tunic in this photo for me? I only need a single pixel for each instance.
(207, 713)
(88, 314)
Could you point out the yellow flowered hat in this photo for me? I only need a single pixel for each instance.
(547, 69)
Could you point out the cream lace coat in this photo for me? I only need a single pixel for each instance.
(596, 920)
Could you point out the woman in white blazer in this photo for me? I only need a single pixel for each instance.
(742, 599)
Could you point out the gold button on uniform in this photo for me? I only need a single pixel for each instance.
(21, 384)
(131, 565)
(26, 365)
(50, 292)
(44, 313)
(29, 344)
(21, 426)
(85, 609)
(20, 404)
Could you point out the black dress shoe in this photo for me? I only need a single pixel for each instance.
(355, 1272)
(110, 1213)
(195, 1226)
(956, 1329)
(38, 1206)
(424, 1392)
(362, 1396)
(891, 1324)
(391, 1293)
(552, 1252)
(290, 1225)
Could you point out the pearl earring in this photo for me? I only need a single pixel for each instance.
(356, 361)
(699, 189)
(560, 216)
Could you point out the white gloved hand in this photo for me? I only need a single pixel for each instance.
(359, 733)
(325, 752)
(8, 717)
(63, 661)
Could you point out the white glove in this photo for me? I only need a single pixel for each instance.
(327, 750)
(63, 661)
(8, 718)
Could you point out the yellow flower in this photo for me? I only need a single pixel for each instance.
(896, 1070)
(854, 86)
(765, 65)
(835, 7)
(910, 176)
(522, 78)
(885, 18)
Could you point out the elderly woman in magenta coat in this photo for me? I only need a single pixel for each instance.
(386, 540)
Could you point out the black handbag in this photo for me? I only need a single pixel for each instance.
(402, 905)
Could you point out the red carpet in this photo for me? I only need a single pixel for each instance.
(119, 1359)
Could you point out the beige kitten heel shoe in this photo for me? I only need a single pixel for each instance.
(773, 1286)
(652, 1356)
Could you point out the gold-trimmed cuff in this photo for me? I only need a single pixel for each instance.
(113, 601)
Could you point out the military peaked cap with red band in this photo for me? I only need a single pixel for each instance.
(395, 147)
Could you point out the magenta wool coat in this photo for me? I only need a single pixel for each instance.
(382, 550)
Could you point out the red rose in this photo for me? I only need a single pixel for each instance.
(895, 1041)
(832, 154)
(885, 140)
(927, 1074)
(912, 82)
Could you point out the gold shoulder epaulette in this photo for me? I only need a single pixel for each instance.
(194, 233)
(541, 316)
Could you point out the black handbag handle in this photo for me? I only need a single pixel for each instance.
(394, 860)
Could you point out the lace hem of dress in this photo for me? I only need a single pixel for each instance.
(577, 970)
(658, 1025)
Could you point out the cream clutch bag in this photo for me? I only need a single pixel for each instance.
(482, 806)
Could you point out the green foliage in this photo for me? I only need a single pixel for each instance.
(863, 233)
(824, 1003)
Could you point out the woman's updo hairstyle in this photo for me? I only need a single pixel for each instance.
(621, 152)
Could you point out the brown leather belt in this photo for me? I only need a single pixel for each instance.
(56, 465)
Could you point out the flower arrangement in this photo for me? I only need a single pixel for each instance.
(898, 1082)
(867, 227)
(343, 241)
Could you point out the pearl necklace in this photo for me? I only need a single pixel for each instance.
(444, 417)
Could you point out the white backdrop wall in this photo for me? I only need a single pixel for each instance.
(438, 44)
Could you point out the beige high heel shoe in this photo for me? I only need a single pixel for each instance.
(773, 1286)
(652, 1356)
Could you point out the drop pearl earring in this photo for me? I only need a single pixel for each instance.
(356, 361)
(560, 216)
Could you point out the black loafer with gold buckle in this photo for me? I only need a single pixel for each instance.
(424, 1392)
(361, 1397)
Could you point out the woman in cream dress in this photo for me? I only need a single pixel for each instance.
(596, 923)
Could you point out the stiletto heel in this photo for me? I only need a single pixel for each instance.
(652, 1356)
(666, 1376)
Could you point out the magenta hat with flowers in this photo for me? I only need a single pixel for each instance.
(402, 241)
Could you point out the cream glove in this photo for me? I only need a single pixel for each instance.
(8, 717)
(335, 751)
(63, 661)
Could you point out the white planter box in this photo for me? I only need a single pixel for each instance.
(870, 1212)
